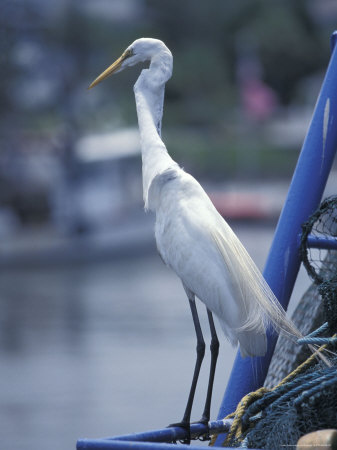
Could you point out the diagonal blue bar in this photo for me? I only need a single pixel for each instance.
(305, 193)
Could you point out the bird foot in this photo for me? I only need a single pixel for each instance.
(186, 427)
(204, 436)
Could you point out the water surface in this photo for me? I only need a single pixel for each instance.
(100, 349)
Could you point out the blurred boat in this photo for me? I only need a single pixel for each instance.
(96, 208)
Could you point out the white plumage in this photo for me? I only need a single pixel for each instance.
(192, 238)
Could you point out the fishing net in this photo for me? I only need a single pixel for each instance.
(306, 400)
(321, 264)
(311, 312)
(306, 403)
(307, 317)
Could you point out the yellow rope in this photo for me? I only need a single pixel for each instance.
(302, 366)
(236, 427)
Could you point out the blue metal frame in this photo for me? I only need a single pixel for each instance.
(304, 196)
(165, 435)
(327, 242)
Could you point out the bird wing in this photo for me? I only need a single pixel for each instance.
(206, 254)
(185, 218)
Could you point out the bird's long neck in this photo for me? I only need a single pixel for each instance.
(149, 94)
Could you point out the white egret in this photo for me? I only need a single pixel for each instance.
(192, 238)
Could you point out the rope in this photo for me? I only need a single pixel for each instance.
(262, 398)
(304, 394)
(317, 341)
(320, 384)
(236, 428)
(313, 338)
(319, 330)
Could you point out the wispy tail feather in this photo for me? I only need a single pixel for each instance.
(261, 307)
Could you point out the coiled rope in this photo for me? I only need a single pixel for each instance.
(256, 405)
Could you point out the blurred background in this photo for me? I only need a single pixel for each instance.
(96, 337)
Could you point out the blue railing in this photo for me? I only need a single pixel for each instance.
(167, 435)
(304, 196)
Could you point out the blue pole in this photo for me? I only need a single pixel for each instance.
(305, 193)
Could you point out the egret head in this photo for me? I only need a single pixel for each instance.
(141, 50)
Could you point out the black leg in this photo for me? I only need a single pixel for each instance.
(185, 423)
(214, 357)
(200, 357)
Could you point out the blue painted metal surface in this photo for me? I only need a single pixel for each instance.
(281, 269)
(170, 434)
(104, 444)
(326, 242)
(305, 193)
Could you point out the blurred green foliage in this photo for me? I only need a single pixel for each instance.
(70, 45)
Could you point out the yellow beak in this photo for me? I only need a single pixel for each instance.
(111, 69)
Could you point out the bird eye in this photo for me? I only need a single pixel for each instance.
(128, 53)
